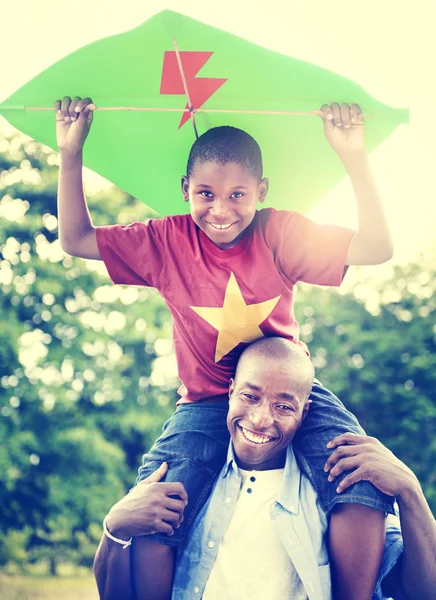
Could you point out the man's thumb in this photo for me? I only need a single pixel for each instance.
(158, 474)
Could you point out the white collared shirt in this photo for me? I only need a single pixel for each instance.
(251, 561)
(298, 520)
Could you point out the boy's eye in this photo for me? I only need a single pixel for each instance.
(206, 194)
(237, 195)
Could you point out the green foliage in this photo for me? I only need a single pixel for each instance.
(376, 349)
(85, 382)
(77, 402)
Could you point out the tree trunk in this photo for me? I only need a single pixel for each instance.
(53, 571)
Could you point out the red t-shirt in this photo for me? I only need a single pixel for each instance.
(221, 300)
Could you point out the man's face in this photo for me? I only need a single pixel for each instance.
(223, 200)
(268, 402)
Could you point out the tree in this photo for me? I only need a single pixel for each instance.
(87, 370)
(375, 348)
(77, 398)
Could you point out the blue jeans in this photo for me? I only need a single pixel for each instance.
(195, 439)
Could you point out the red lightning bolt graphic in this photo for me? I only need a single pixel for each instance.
(200, 89)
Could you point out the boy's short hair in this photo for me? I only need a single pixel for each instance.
(227, 144)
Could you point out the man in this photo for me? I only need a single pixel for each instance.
(262, 532)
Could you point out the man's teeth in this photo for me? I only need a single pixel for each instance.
(257, 439)
(217, 226)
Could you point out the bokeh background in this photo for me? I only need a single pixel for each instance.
(87, 372)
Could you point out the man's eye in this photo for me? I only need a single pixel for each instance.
(286, 407)
(250, 397)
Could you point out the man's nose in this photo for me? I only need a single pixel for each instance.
(261, 417)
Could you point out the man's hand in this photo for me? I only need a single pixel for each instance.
(73, 122)
(151, 507)
(414, 576)
(344, 129)
(372, 462)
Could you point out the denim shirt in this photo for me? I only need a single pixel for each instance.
(298, 519)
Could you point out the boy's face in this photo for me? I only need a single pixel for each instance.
(268, 402)
(223, 200)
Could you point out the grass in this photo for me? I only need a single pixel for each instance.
(47, 588)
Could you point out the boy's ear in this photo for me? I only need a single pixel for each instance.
(185, 188)
(263, 189)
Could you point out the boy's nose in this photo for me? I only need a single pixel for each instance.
(220, 208)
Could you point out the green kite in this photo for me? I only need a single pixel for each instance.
(228, 81)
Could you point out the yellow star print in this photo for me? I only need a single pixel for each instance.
(235, 321)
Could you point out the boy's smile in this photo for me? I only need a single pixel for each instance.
(223, 200)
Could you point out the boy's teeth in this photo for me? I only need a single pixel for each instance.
(220, 226)
(257, 439)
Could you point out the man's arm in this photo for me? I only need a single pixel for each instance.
(356, 542)
(120, 572)
(113, 571)
(77, 234)
(344, 130)
(151, 507)
(414, 576)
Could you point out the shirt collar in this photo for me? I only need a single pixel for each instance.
(289, 493)
(231, 462)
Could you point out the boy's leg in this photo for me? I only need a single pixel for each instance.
(357, 529)
(327, 418)
(194, 443)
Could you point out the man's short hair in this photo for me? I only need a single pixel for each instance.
(227, 144)
(280, 349)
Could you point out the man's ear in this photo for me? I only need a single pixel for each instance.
(185, 188)
(306, 409)
(263, 189)
(231, 387)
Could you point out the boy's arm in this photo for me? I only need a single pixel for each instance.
(414, 576)
(371, 244)
(344, 130)
(77, 234)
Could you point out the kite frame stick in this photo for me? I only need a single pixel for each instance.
(179, 110)
(185, 87)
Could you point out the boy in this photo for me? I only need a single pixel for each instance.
(227, 273)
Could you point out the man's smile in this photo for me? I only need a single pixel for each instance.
(255, 437)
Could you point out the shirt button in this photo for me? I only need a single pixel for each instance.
(249, 490)
(211, 545)
(196, 590)
(228, 500)
(252, 478)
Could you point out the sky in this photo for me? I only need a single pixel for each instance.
(386, 46)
